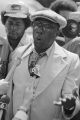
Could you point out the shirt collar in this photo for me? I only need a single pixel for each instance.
(48, 51)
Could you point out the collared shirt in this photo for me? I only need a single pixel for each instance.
(47, 51)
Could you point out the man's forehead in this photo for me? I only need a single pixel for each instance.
(44, 20)
(14, 19)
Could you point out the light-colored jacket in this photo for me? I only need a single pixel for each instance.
(26, 40)
(57, 78)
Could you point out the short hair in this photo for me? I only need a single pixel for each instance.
(63, 5)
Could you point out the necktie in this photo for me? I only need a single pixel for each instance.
(32, 67)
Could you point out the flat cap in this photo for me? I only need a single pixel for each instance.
(16, 10)
(50, 15)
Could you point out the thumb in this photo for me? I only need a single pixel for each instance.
(58, 103)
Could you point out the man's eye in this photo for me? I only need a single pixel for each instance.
(10, 23)
(17, 24)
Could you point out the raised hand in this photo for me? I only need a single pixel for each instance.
(68, 102)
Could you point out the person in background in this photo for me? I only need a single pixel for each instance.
(16, 20)
(64, 8)
(74, 46)
(16, 15)
(46, 74)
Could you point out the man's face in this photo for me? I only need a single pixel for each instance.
(71, 30)
(15, 27)
(44, 34)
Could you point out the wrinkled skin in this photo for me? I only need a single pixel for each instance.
(44, 34)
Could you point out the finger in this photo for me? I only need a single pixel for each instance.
(59, 103)
(70, 97)
(62, 99)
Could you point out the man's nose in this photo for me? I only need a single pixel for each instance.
(39, 30)
(13, 27)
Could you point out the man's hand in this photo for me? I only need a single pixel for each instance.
(68, 102)
(4, 86)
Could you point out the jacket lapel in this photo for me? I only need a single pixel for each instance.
(55, 64)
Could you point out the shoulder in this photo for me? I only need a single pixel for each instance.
(68, 54)
(24, 51)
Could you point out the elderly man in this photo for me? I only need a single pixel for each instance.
(46, 74)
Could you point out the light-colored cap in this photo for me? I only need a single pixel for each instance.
(50, 15)
(17, 10)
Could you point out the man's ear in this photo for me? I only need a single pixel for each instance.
(3, 18)
(57, 32)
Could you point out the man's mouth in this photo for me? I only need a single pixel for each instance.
(38, 39)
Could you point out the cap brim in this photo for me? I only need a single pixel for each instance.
(50, 15)
(16, 15)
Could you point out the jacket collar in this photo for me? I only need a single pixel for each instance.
(58, 50)
(56, 64)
